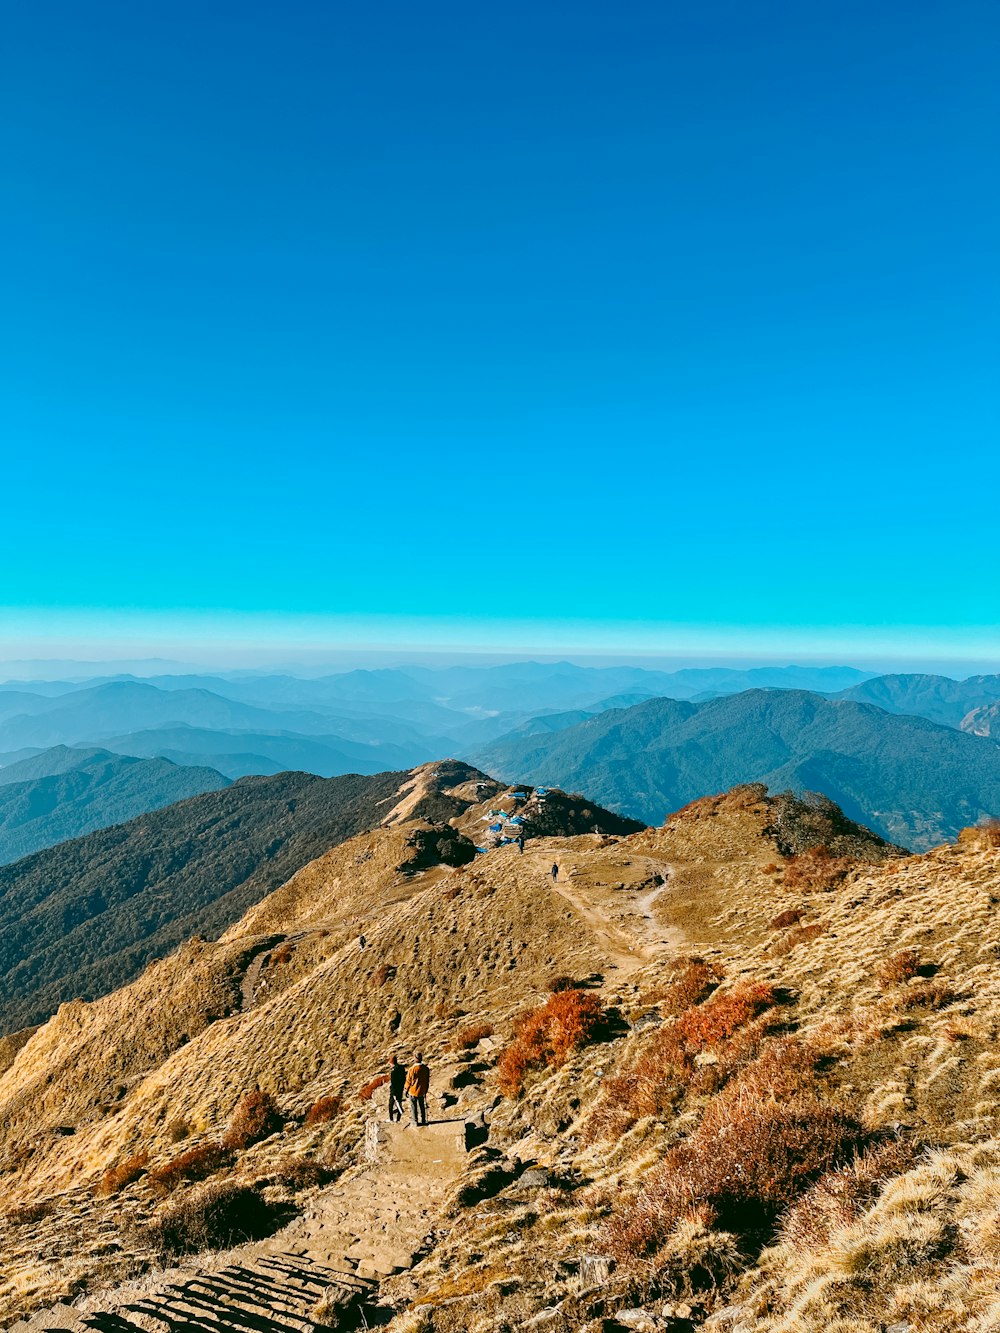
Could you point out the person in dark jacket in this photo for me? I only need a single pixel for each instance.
(418, 1080)
(397, 1081)
(555, 873)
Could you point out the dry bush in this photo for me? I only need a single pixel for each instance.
(177, 1130)
(383, 973)
(748, 1159)
(125, 1173)
(214, 1217)
(326, 1108)
(693, 984)
(653, 1084)
(547, 1035)
(785, 919)
(282, 954)
(929, 995)
(444, 1009)
(816, 870)
(255, 1117)
(28, 1213)
(839, 1198)
(560, 982)
(372, 1086)
(793, 938)
(195, 1164)
(452, 892)
(301, 1173)
(897, 968)
(471, 1036)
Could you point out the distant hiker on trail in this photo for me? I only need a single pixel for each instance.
(520, 843)
(397, 1081)
(555, 873)
(418, 1080)
(362, 941)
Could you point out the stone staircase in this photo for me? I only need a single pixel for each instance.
(267, 1294)
(318, 1274)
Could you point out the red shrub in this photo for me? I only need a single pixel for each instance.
(125, 1173)
(653, 1085)
(898, 967)
(816, 869)
(471, 1036)
(785, 919)
(195, 1164)
(327, 1108)
(930, 995)
(546, 1036)
(255, 1117)
(747, 1160)
(691, 985)
(372, 1086)
(801, 935)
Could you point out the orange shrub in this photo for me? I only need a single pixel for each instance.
(471, 1036)
(383, 973)
(930, 995)
(839, 1198)
(785, 919)
(547, 1035)
(693, 984)
(747, 1160)
(801, 935)
(899, 967)
(125, 1173)
(372, 1086)
(195, 1164)
(326, 1108)
(653, 1085)
(255, 1117)
(816, 869)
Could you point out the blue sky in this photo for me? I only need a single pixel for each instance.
(645, 325)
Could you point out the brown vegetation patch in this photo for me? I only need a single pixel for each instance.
(785, 919)
(897, 968)
(817, 870)
(214, 1217)
(326, 1108)
(668, 1063)
(793, 938)
(748, 1159)
(471, 1036)
(547, 1035)
(125, 1173)
(372, 1086)
(255, 1117)
(195, 1164)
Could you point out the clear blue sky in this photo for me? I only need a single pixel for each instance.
(534, 312)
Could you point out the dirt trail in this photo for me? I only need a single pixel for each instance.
(369, 1225)
(625, 928)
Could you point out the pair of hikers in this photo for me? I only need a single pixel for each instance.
(412, 1083)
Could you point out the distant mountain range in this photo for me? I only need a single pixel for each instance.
(357, 721)
(63, 793)
(913, 781)
(938, 698)
(87, 915)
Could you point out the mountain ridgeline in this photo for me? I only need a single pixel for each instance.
(86, 916)
(64, 793)
(913, 781)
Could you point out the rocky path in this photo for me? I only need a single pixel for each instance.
(626, 928)
(319, 1272)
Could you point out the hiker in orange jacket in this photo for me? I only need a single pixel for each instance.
(418, 1080)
